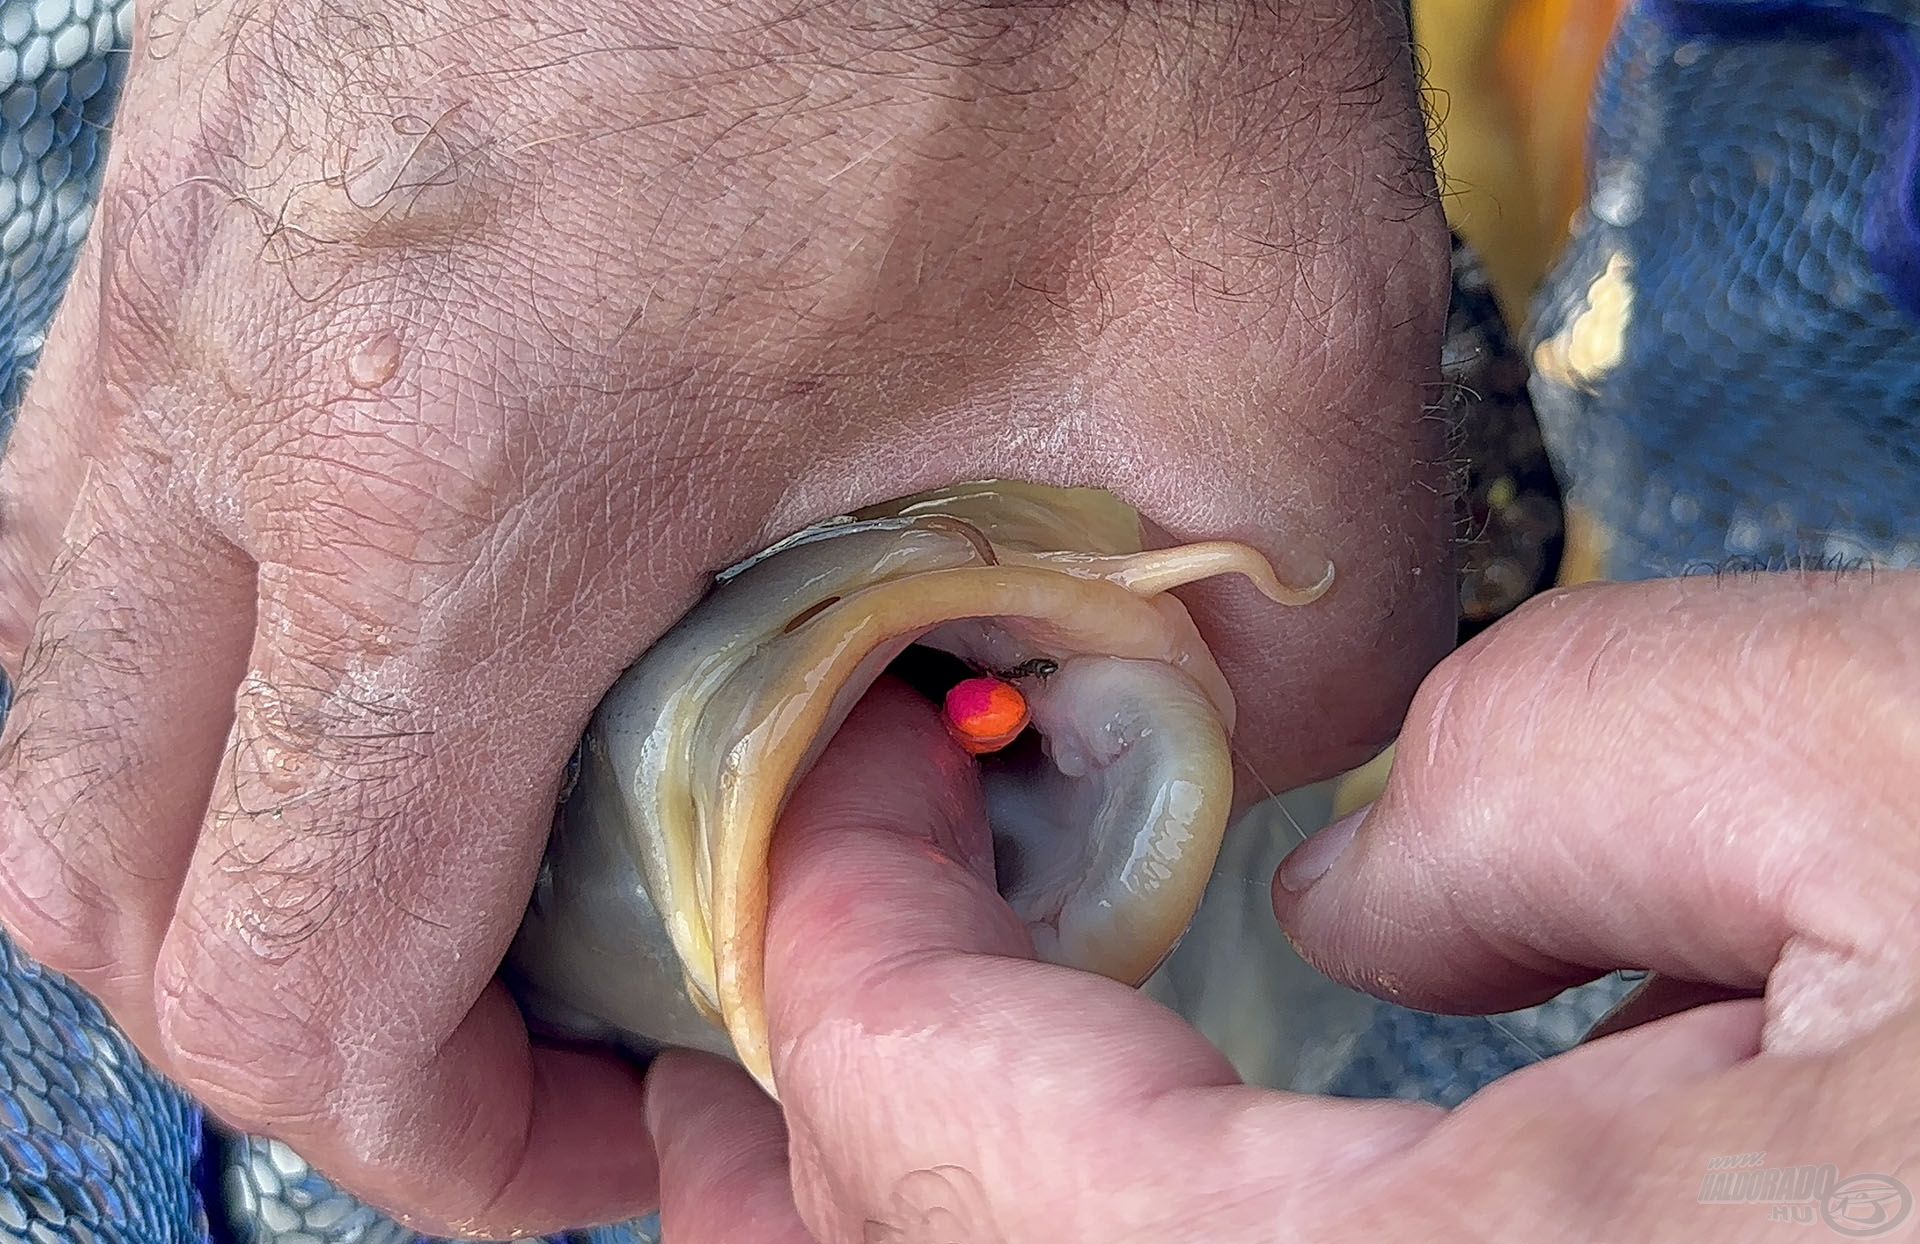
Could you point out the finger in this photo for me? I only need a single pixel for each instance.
(934, 1077)
(1658, 997)
(56, 438)
(1625, 1138)
(723, 1155)
(1703, 778)
(368, 851)
(117, 730)
(1553, 1149)
(1627, 1071)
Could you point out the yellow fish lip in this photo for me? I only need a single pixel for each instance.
(692, 756)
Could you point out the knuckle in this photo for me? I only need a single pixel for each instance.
(370, 144)
(285, 897)
(72, 902)
(65, 900)
(283, 893)
(324, 732)
(341, 127)
(56, 896)
(257, 238)
(1450, 714)
(59, 908)
(160, 230)
(248, 1048)
(1499, 696)
(291, 862)
(58, 917)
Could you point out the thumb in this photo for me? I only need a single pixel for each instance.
(1711, 779)
(936, 1078)
(897, 808)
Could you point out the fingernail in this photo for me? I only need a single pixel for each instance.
(1311, 859)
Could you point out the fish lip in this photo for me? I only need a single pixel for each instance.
(778, 752)
(695, 744)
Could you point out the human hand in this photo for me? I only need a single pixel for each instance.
(425, 361)
(1713, 779)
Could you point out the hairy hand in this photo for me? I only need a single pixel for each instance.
(427, 358)
(1714, 780)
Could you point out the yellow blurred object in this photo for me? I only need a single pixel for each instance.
(1359, 787)
(1510, 84)
(1547, 63)
(1585, 560)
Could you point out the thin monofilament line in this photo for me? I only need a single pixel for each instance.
(1524, 1046)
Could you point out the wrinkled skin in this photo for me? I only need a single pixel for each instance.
(1711, 779)
(425, 361)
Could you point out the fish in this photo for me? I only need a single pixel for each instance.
(648, 920)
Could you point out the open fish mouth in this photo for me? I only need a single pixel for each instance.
(648, 923)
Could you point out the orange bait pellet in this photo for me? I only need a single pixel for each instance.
(985, 714)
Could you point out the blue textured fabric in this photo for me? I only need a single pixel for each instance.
(1753, 191)
(60, 69)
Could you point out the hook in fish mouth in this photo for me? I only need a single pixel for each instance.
(1107, 809)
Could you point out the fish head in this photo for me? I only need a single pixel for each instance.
(648, 925)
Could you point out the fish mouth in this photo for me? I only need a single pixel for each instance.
(648, 924)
